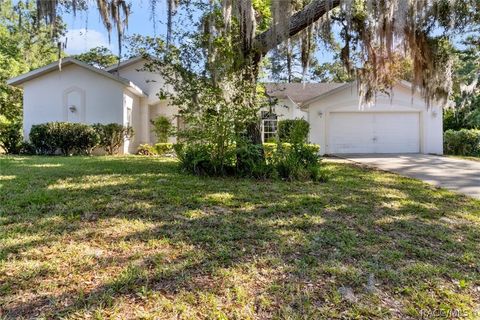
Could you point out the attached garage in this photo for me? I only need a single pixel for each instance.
(374, 132)
(396, 123)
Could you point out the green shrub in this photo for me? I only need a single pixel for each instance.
(26, 148)
(11, 136)
(282, 160)
(250, 161)
(293, 131)
(463, 142)
(75, 138)
(146, 150)
(43, 138)
(297, 162)
(164, 148)
(195, 159)
(270, 149)
(162, 128)
(112, 136)
(86, 138)
(69, 138)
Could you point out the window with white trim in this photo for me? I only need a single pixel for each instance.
(269, 126)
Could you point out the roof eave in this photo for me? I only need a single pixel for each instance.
(124, 64)
(133, 88)
(306, 103)
(19, 80)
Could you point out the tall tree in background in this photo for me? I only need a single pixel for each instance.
(372, 31)
(100, 57)
(464, 112)
(234, 37)
(25, 44)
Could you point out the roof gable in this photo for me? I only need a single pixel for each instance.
(299, 92)
(401, 83)
(123, 64)
(57, 66)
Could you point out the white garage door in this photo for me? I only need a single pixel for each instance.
(374, 132)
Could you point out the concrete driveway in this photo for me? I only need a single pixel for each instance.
(458, 175)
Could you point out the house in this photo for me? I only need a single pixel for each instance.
(399, 122)
(127, 94)
(71, 90)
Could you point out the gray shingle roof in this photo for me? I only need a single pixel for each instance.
(299, 92)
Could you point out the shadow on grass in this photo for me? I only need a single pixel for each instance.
(393, 241)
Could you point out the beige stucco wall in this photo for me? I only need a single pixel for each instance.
(133, 102)
(149, 82)
(97, 99)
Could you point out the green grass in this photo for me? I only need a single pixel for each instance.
(465, 157)
(131, 237)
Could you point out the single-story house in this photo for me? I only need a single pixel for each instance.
(74, 91)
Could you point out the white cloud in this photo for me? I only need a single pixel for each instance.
(81, 40)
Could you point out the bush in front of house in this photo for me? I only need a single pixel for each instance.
(298, 162)
(464, 142)
(293, 131)
(86, 138)
(11, 136)
(66, 137)
(112, 136)
(164, 148)
(282, 160)
(200, 159)
(43, 139)
(162, 127)
(157, 149)
(271, 149)
(146, 150)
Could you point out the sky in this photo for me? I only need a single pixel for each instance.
(86, 30)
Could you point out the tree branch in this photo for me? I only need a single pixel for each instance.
(267, 40)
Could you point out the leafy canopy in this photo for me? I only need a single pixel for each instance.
(25, 44)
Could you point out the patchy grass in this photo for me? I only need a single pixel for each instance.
(465, 157)
(130, 237)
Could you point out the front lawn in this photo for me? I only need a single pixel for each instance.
(130, 237)
(466, 158)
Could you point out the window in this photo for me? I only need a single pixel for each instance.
(269, 130)
(129, 117)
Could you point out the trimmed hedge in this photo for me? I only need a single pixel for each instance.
(68, 138)
(293, 131)
(463, 142)
(77, 138)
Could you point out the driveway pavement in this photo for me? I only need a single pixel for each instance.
(458, 175)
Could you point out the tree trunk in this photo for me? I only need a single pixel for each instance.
(266, 41)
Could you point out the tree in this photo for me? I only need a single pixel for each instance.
(221, 70)
(99, 57)
(25, 44)
(371, 31)
(162, 128)
(464, 112)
